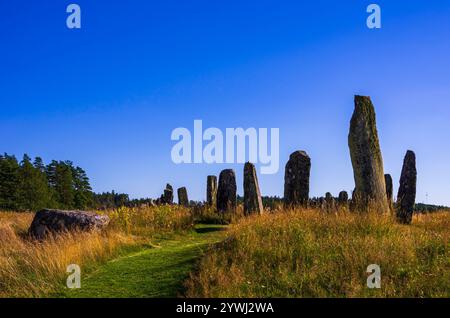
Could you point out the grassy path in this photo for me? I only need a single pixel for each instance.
(152, 272)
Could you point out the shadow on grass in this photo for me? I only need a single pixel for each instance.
(202, 230)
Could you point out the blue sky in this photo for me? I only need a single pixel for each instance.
(109, 95)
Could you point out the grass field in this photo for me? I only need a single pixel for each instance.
(162, 252)
(315, 254)
(158, 271)
(30, 268)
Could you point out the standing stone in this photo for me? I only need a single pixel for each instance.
(296, 179)
(343, 198)
(252, 195)
(211, 190)
(168, 194)
(226, 192)
(406, 197)
(183, 197)
(367, 161)
(389, 191)
(322, 203)
(329, 202)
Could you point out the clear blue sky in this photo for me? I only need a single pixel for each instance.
(109, 95)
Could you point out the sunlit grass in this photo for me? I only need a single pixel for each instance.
(310, 253)
(30, 268)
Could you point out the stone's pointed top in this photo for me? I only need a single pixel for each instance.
(227, 171)
(410, 153)
(361, 97)
(298, 153)
(249, 165)
(362, 102)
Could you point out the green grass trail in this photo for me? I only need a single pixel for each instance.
(151, 272)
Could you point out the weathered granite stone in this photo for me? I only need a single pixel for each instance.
(168, 194)
(367, 161)
(389, 191)
(252, 195)
(406, 197)
(211, 190)
(226, 192)
(343, 198)
(56, 221)
(183, 196)
(330, 204)
(296, 180)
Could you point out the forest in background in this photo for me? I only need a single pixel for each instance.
(31, 185)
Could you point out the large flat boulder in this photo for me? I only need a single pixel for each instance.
(56, 221)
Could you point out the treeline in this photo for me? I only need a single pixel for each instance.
(30, 185)
(429, 208)
(110, 200)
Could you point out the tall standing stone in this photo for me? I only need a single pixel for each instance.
(406, 197)
(389, 190)
(168, 194)
(226, 192)
(367, 161)
(296, 179)
(183, 196)
(211, 190)
(252, 195)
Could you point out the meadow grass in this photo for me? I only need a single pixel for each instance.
(30, 268)
(311, 253)
(151, 272)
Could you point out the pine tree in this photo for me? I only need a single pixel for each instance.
(60, 178)
(33, 190)
(83, 191)
(33, 186)
(39, 164)
(9, 182)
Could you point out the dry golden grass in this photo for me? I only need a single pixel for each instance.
(310, 253)
(29, 268)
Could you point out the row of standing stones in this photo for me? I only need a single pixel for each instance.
(373, 189)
